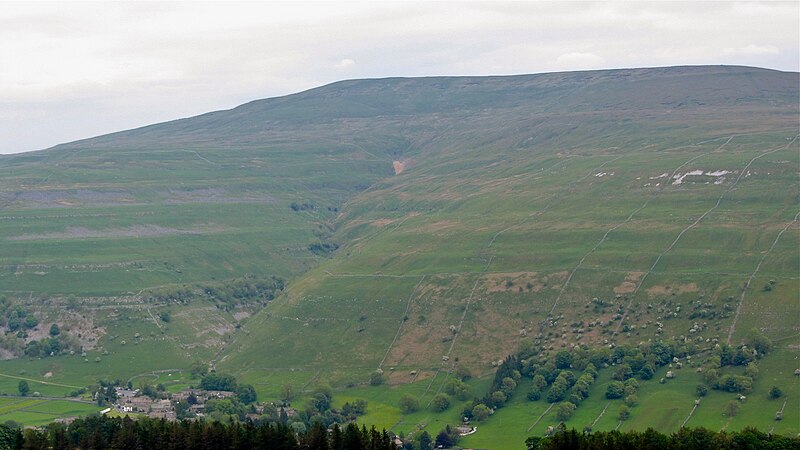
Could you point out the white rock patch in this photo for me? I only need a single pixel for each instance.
(719, 174)
(679, 177)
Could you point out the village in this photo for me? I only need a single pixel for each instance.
(168, 407)
(133, 401)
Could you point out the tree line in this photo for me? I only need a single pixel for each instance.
(102, 432)
(685, 439)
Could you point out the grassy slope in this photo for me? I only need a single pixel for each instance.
(520, 207)
(522, 202)
(501, 200)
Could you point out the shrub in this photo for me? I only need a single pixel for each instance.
(499, 398)
(534, 394)
(565, 411)
(775, 392)
(408, 404)
(563, 359)
(376, 378)
(732, 408)
(624, 413)
(701, 390)
(441, 402)
(480, 412)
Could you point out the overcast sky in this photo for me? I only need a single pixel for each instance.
(75, 70)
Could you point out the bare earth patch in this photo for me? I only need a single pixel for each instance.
(399, 166)
(629, 285)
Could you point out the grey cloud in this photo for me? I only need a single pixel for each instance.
(76, 70)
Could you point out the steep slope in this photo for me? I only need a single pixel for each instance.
(593, 207)
(520, 200)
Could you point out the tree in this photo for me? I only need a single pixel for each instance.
(775, 393)
(337, 438)
(623, 372)
(320, 402)
(701, 390)
(732, 408)
(568, 376)
(508, 385)
(624, 413)
(31, 322)
(565, 411)
(539, 382)
(54, 330)
(563, 359)
(457, 388)
(498, 398)
(23, 388)
(480, 412)
(631, 386)
(218, 382)
(298, 427)
(751, 370)
(447, 438)
(425, 441)
(441, 402)
(758, 341)
(557, 391)
(376, 378)
(647, 372)
(534, 394)
(408, 404)
(246, 394)
(288, 392)
(581, 388)
(615, 389)
(352, 437)
(198, 369)
(317, 437)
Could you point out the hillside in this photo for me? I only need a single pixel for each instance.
(420, 224)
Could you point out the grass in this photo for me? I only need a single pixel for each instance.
(523, 199)
(35, 412)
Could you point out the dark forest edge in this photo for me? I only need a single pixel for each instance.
(685, 439)
(102, 432)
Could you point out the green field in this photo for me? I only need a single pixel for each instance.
(33, 412)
